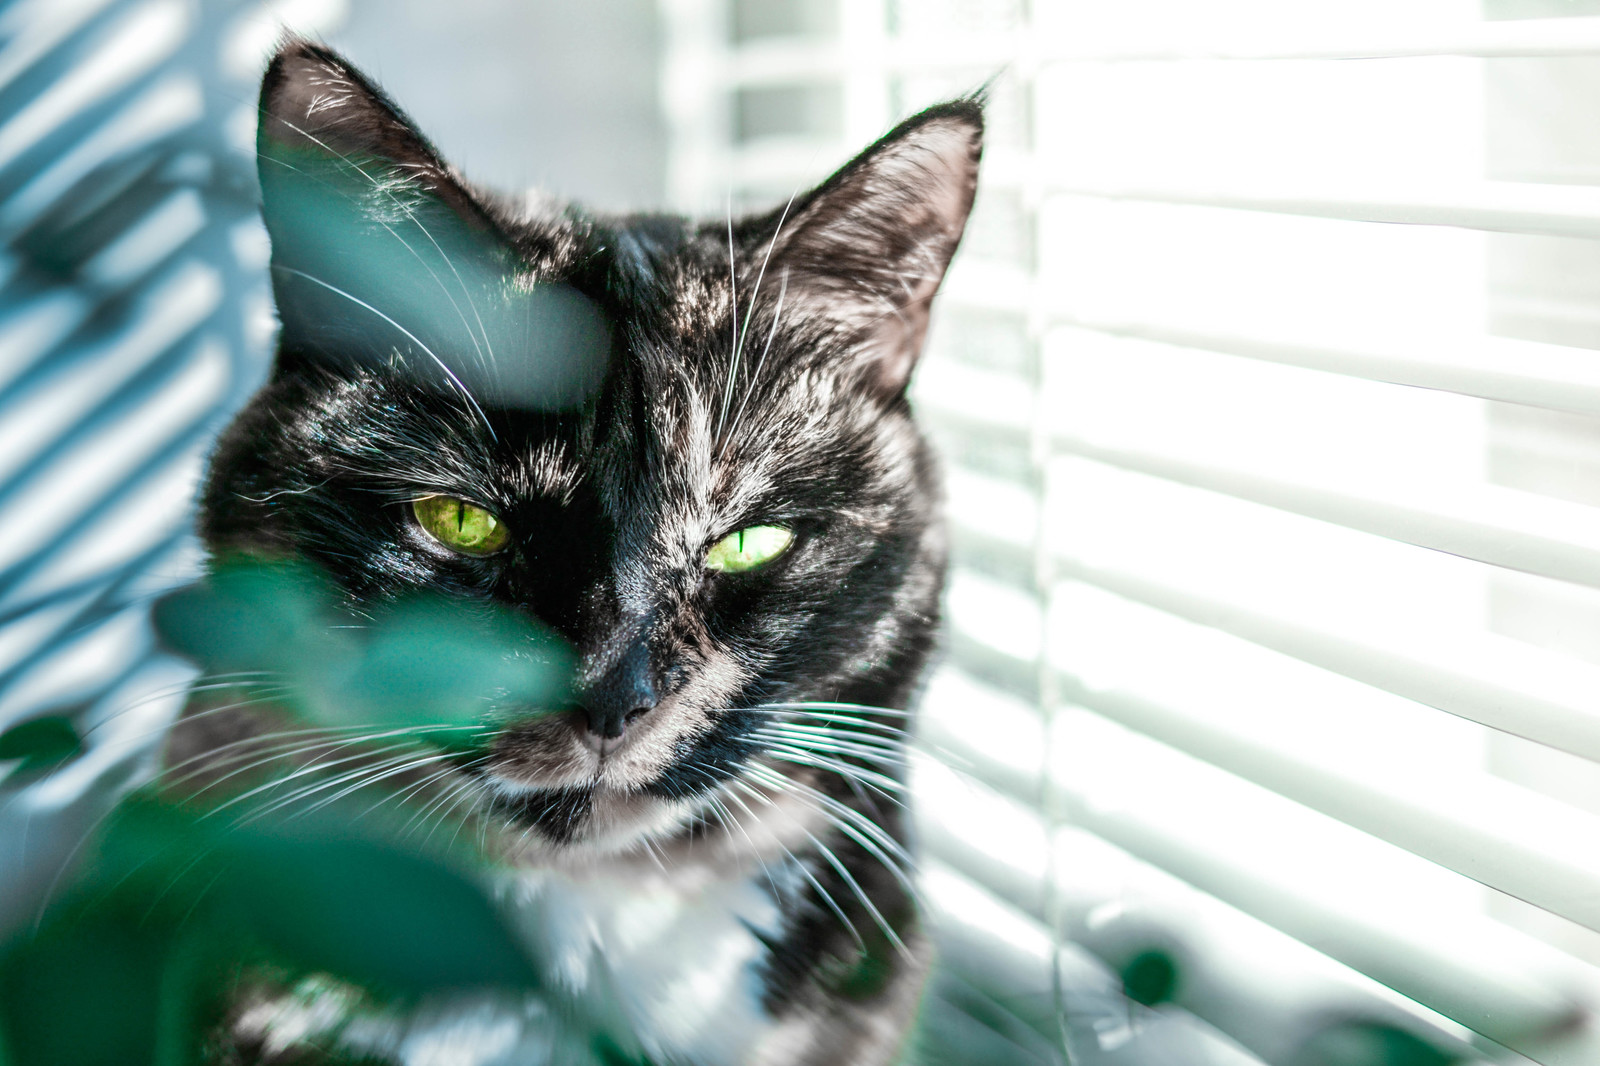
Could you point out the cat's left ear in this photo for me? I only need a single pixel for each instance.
(872, 243)
(383, 257)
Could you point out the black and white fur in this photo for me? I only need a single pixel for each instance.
(729, 878)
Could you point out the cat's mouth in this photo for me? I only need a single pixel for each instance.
(553, 775)
(591, 819)
(557, 751)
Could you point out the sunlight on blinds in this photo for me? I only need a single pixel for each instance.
(1254, 651)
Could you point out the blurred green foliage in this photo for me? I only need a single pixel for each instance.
(423, 660)
(41, 743)
(138, 960)
(1150, 977)
(139, 954)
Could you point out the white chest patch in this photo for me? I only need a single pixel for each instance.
(675, 963)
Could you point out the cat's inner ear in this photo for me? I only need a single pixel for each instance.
(871, 244)
(381, 257)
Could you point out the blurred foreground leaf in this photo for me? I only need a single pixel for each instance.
(433, 660)
(136, 963)
(40, 743)
(424, 660)
(387, 919)
(1150, 978)
(249, 616)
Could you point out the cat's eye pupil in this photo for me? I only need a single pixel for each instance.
(461, 526)
(748, 548)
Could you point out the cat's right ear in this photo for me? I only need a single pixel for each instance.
(383, 257)
(869, 247)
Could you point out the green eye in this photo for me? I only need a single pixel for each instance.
(748, 548)
(461, 526)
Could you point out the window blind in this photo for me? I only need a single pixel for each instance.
(1274, 546)
(133, 316)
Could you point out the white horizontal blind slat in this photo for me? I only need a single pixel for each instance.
(1251, 990)
(777, 61)
(1504, 207)
(1497, 833)
(1484, 40)
(1002, 444)
(1496, 684)
(1551, 376)
(1502, 527)
(1499, 986)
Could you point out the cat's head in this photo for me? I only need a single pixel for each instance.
(687, 448)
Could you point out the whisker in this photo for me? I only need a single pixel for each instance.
(276, 693)
(211, 683)
(328, 734)
(466, 792)
(755, 375)
(446, 802)
(269, 753)
(828, 734)
(755, 292)
(306, 771)
(726, 817)
(372, 778)
(825, 705)
(834, 806)
(387, 191)
(728, 823)
(399, 798)
(733, 316)
(362, 303)
(873, 759)
(859, 716)
(886, 786)
(825, 896)
(855, 729)
(865, 832)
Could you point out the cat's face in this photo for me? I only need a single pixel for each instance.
(685, 448)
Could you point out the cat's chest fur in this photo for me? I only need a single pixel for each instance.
(678, 960)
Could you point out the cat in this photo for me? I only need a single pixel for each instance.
(687, 449)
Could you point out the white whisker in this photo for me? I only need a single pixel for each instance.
(863, 830)
(388, 191)
(755, 375)
(826, 898)
(362, 303)
(733, 316)
(755, 292)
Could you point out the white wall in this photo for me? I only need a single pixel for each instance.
(524, 93)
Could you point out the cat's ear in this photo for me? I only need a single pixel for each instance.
(381, 255)
(871, 244)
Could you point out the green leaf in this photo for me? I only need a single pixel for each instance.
(84, 993)
(376, 913)
(41, 742)
(1150, 977)
(424, 660)
(133, 964)
(438, 661)
(250, 615)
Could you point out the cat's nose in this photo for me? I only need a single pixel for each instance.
(623, 695)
